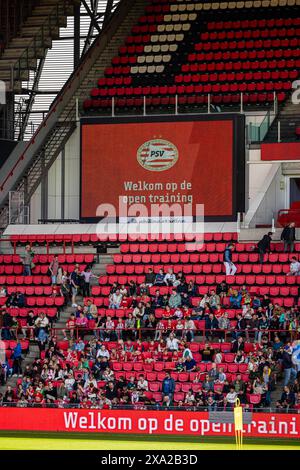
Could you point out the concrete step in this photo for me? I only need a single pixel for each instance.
(35, 30)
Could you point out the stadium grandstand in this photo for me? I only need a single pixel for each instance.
(150, 217)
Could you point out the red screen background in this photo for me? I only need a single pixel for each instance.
(109, 157)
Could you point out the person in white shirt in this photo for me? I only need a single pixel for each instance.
(103, 352)
(294, 267)
(230, 398)
(3, 292)
(172, 343)
(142, 383)
(115, 299)
(87, 276)
(170, 277)
(69, 382)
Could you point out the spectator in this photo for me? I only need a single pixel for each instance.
(264, 246)
(87, 275)
(17, 360)
(175, 299)
(294, 267)
(224, 325)
(288, 366)
(189, 329)
(150, 277)
(53, 268)
(75, 284)
(222, 290)
(211, 324)
(230, 398)
(27, 260)
(227, 259)
(190, 364)
(172, 343)
(287, 399)
(288, 236)
(115, 299)
(160, 278)
(170, 277)
(168, 386)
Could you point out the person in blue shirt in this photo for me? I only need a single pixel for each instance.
(17, 359)
(227, 260)
(168, 386)
(190, 364)
(160, 278)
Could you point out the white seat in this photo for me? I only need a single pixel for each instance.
(164, 47)
(175, 18)
(150, 59)
(134, 70)
(182, 7)
(169, 28)
(156, 48)
(240, 4)
(215, 6)
(166, 58)
(223, 5)
(192, 16)
(147, 49)
(184, 18)
(173, 47)
(158, 59)
(151, 69)
(141, 59)
(179, 37)
(162, 38)
(171, 38)
(160, 68)
(248, 4)
(154, 38)
(186, 27)
(198, 6)
(174, 8)
(178, 27)
(161, 28)
(190, 7)
(265, 3)
(142, 69)
(167, 18)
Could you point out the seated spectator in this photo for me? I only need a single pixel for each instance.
(172, 343)
(115, 299)
(3, 292)
(211, 324)
(70, 327)
(170, 277)
(142, 383)
(150, 278)
(160, 278)
(224, 325)
(175, 299)
(207, 353)
(214, 300)
(222, 290)
(190, 364)
(287, 399)
(294, 267)
(189, 329)
(235, 299)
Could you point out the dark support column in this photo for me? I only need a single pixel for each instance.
(44, 190)
(63, 188)
(76, 35)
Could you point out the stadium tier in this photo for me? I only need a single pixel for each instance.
(193, 49)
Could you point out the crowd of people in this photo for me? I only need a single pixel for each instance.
(158, 328)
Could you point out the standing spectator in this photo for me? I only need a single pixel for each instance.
(288, 366)
(227, 259)
(288, 236)
(27, 260)
(53, 268)
(17, 360)
(75, 284)
(168, 386)
(264, 246)
(87, 275)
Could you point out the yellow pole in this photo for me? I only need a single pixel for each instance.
(238, 424)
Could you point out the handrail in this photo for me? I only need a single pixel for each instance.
(60, 97)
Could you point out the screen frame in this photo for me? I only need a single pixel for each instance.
(238, 149)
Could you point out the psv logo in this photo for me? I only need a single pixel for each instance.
(157, 155)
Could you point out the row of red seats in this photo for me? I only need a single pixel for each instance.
(10, 259)
(243, 252)
(114, 237)
(19, 280)
(89, 258)
(255, 23)
(242, 55)
(250, 33)
(247, 44)
(45, 301)
(30, 290)
(23, 312)
(254, 98)
(219, 87)
(129, 269)
(210, 279)
(8, 345)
